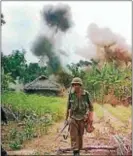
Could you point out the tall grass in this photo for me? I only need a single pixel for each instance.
(56, 106)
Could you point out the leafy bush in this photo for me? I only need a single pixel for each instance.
(15, 145)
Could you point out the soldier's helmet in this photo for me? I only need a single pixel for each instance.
(77, 80)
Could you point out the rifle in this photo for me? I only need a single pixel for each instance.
(67, 122)
(61, 131)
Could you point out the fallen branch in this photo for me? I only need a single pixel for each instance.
(91, 148)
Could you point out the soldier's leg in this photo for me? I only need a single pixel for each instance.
(80, 142)
(81, 133)
(74, 135)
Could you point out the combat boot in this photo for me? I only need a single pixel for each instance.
(76, 153)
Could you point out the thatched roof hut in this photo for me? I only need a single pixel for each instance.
(43, 85)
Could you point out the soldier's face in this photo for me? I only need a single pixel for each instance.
(77, 86)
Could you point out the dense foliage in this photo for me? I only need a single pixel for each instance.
(16, 66)
(109, 79)
(98, 80)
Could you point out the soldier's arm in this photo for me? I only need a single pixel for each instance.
(91, 108)
(90, 105)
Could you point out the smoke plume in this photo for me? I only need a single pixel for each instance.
(105, 37)
(106, 45)
(43, 47)
(57, 17)
(56, 21)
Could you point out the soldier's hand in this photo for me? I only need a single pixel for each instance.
(86, 117)
(66, 122)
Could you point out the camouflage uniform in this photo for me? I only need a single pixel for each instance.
(79, 107)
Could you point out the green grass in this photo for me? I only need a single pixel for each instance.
(56, 106)
(32, 106)
(120, 112)
(39, 105)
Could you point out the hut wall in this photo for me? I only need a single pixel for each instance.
(43, 92)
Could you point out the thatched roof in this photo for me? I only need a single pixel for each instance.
(42, 83)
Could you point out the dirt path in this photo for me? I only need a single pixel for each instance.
(47, 145)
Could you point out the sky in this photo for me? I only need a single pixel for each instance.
(23, 24)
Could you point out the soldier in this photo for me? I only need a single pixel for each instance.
(78, 108)
(4, 119)
(3, 116)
